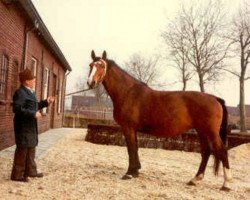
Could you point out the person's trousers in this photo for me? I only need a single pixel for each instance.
(24, 164)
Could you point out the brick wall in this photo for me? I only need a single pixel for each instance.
(12, 33)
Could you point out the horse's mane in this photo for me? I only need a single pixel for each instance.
(112, 63)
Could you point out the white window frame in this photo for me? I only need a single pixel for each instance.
(34, 69)
(3, 76)
(59, 103)
(45, 87)
(15, 70)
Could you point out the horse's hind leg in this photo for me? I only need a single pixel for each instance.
(132, 147)
(205, 153)
(220, 154)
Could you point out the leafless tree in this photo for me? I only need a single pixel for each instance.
(196, 32)
(144, 69)
(240, 36)
(174, 39)
(80, 84)
(101, 96)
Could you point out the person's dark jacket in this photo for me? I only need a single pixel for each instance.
(25, 106)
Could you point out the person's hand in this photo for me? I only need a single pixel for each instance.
(50, 99)
(38, 115)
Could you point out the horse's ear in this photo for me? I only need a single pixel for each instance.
(93, 54)
(104, 55)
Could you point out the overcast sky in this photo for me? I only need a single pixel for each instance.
(121, 27)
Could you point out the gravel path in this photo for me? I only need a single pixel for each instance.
(75, 169)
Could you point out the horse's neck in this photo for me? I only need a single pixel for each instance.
(117, 83)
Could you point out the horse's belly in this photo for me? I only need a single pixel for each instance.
(165, 132)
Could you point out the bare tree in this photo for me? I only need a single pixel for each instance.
(144, 69)
(80, 84)
(240, 36)
(174, 39)
(198, 28)
(101, 95)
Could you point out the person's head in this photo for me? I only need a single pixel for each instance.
(27, 78)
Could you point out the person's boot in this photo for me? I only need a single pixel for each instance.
(24, 179)
(38, 175)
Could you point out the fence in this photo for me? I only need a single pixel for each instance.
(112, 135)
(97, 114)
(82, 117)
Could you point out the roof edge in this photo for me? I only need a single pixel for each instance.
(31, 11)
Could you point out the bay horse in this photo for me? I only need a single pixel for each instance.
(137, 107)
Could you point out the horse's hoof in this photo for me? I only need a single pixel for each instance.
(127, 177)
(191, 183)
(135, 175)
(226, 189)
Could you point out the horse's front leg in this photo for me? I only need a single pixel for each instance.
(132, 147)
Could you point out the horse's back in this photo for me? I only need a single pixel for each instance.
(172, 113)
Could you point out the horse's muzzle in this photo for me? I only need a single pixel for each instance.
(91, 85)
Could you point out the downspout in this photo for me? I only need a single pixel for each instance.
(26, 41)
(64, 85)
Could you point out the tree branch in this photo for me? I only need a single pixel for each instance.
(234, 73)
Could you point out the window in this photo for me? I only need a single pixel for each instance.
(15, 71)
(59, 103)
(3, 75)
(33, 68)
(45, 87)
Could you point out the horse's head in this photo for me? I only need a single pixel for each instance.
(98, 69)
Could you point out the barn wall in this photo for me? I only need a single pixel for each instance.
(14, 23)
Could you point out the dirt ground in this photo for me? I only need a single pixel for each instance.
(75, 169)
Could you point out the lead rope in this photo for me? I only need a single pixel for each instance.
(78, 91)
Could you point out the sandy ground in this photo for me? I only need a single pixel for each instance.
(75, 169)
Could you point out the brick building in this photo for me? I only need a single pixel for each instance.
(234, 116)
(25, 42)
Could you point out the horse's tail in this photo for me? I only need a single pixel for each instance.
(224, 130)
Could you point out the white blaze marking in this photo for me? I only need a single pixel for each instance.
(90, 79)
